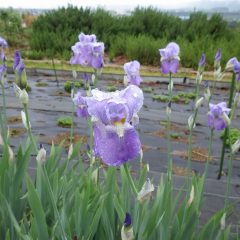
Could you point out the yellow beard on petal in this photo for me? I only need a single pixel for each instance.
(119, 126)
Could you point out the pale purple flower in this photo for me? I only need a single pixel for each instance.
(132, 71)
(88, 52)
(115, 150)
(97, 55)
(218, 55)
(3, 43)
(87, 38)
(169, 58)
(81, 105)
(216, 115)
(113, 114)
(202, 61)
(230, 66)
(233, 65)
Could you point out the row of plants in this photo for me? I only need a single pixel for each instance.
(65, 197)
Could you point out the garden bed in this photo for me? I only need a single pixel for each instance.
(46, 106)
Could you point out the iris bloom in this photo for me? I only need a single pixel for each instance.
(202, 61)
(233, 65)
(19, 69)
(218, 116)
(3, 43)
(169, 58)
(132, 72)
(81, 105)
(88, 52)
(114, 115)
(18, 64)
(218, 55)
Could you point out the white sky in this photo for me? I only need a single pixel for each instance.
(48, 4)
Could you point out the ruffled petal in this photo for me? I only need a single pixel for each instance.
(114, 150)
(219, 124)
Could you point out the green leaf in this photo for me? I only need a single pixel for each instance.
(38, 212)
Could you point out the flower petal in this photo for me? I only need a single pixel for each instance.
(113, 150)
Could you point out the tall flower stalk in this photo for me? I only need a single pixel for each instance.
(169, 65)
(169, 142)
(192, 118)
(3, 70)
(226, 131)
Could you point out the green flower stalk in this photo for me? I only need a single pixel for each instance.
(168, 112)
(192, 118)
(226, 131)
(130, 180)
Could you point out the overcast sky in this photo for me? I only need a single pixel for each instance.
(48, 4)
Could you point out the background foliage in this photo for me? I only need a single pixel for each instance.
(138, 35)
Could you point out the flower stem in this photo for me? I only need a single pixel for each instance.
(55, 72)
(90, 127)
(29, 130)
(169, 143)
(226, 131)
(4, 114)
(134, 189)
(230, 167)
(72, 117)
(209, 151)
(189, 165)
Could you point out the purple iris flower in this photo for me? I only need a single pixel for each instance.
(18, 63)
(216, 115)
(87, 38)
(17, 59)
(233, 65)
(86, 78)
(169, 58)
(132, 71)
(81, 104)
(230, 66)
(113, 114)
(88, 52)
(3, 43)
(218, 55)
(202, 61)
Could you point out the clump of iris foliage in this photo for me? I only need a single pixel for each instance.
(234, 135)
(68, 85)
(65, 121)
(178, 98)
(65, 197)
